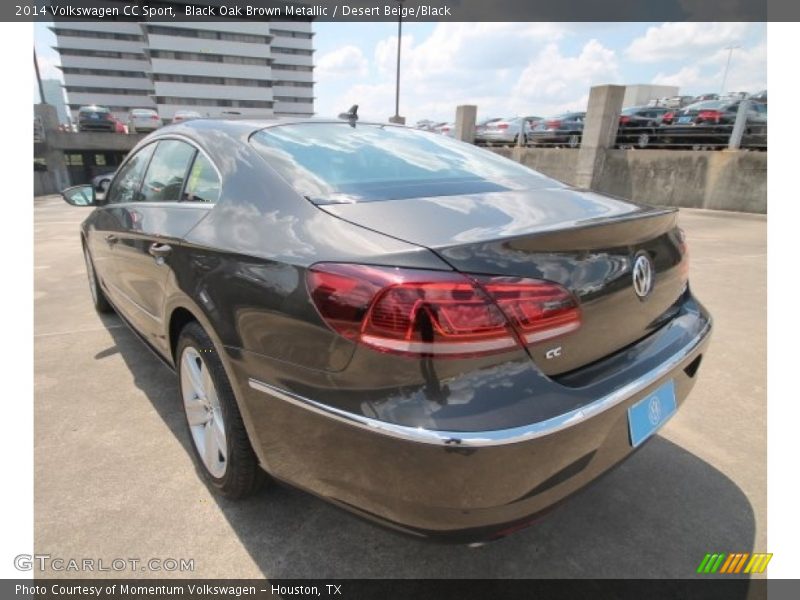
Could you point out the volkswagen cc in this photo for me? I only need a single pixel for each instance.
(415, 329)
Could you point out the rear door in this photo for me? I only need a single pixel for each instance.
(156, 222)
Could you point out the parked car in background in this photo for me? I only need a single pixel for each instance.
(481, 125)
(100, 182)
(185, 115)
(119, 125)
(426, 124)
(448, 129)
(448, 350)
(638, 124)
(565, 129)
(144, 120)
(710, 123)
(704, 98)
(96, 118)
(505, 131)
(672, 101)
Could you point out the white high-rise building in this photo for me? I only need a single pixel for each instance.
(104, 63)
(246, 68)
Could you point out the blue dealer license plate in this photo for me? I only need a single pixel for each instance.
(649, 414)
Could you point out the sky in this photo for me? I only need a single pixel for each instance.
(509, 69)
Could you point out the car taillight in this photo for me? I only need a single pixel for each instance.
(667, 118)
(442, 313)
(553, 124)
(709, 115)
(154, 117)
(502, 126)
(538, 310)
(623, 119)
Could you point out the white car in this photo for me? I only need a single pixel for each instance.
(185, 115)
(143, 120)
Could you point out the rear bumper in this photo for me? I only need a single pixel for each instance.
(551, 136)
(448, 485)
(96, 126)
(495, 137)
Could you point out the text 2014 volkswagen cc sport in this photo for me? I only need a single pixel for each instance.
(413, 328)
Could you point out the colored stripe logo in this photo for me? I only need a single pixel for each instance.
(740, 562)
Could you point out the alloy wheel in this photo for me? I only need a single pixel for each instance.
(203, 412)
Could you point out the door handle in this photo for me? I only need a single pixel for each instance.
(159, 251)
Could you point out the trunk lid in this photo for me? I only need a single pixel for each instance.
(584, 241)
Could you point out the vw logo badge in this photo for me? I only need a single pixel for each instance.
(642, 275)
(654, 410)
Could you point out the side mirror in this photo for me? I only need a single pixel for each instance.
(80, 195)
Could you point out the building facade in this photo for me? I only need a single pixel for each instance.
(223, 68)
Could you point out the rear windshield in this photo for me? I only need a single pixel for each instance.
(335, 163)
(708, 105)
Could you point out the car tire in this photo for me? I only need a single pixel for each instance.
(643, 140)
(101, 303)
(213, 418)
(574, 140)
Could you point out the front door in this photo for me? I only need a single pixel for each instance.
(156, 223)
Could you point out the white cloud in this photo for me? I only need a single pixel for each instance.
(747, 72)
(686, 77)
(553, 82)
(683, 40)
(458, 63)
(347, 61)
(532, 68)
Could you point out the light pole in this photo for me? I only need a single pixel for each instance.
(730, 50)
(397, 118)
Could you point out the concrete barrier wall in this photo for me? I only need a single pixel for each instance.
(721, 180)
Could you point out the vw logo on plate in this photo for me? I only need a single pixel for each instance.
(654, 410)
(642, 275)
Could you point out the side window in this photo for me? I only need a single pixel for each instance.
(127, 181)
(203, 182)
(167, 171)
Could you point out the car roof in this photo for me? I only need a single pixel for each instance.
(242, 128)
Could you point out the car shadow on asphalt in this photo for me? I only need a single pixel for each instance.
(656, 515)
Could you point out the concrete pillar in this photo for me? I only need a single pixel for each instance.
(599, 132)
(56, 163)
(465, 122)
(735, 141)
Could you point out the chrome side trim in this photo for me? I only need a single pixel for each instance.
(489, 438)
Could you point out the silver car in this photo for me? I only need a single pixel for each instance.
(185, 115)
(505, 131)
(143, 120)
